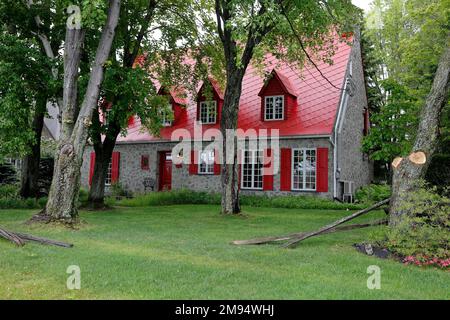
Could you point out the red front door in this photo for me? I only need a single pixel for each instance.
(165, 170)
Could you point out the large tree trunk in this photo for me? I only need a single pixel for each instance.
(103, 150)
(230, 109)
(63, 195)
(408, 171)
(103, 154)
(30, 163)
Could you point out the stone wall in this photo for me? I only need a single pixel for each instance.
(131, 176)
(352, 163)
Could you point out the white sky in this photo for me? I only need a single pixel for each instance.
(363, 4)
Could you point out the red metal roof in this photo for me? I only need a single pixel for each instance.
(317, 100)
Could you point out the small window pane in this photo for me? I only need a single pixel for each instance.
(274, 108)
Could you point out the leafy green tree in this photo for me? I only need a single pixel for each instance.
(404, 41)
(128, 87)
(249, 29)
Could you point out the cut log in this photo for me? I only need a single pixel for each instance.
(20, 238)
(418, 158)
(11, 237)
(307, 235)
(294, 235)
(396, 162)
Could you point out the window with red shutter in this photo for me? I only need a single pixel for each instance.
(145, 162)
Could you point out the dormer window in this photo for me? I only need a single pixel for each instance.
(166, 117)
(274, 108)
(278, 98)
(208, 112)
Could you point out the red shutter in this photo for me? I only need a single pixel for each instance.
(285, 165)
(268, 170)
(145, 162)
(193, 166)
(322, 170)
(115, 167)
(91, 167)
(216, 162)
(366, 122)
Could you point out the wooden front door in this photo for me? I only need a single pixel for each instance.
(165, 170)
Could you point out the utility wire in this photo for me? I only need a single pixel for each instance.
(305, 52)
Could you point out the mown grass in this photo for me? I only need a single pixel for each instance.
(183, 252)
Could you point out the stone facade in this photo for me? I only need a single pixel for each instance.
(352, 164)
(131, 176)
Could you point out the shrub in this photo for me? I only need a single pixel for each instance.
(422, 236)
(191, 197)
(373, 193)
(118, 191)
(9, 191)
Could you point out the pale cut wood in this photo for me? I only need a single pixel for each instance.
(307, 235)
(264, 240)
(418, 157)
(397, 162)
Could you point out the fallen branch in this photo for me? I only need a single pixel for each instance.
(257, 241)
(20, 238)
(29, 237)
(307, 235)
(11, 237)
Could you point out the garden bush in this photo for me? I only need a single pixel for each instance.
(373, 193)
(423, 235)
(191, 197)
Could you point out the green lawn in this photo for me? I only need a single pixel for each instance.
(183, 252)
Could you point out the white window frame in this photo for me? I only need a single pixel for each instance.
(273, 107)
(164, 121)
(109, 174)
(207, 105)
(209, 167)
(253, 152)
(304, 169)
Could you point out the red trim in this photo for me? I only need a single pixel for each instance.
(115, 161)
(193, 166)
(91, 167)
(322, 170)
(366, 122)
(216, 162)
(285, 166)
(268, 170)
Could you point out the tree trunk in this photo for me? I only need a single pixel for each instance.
(30, 166)
(103, 154)
(63, 196)
(408, 171)
(230, 109)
